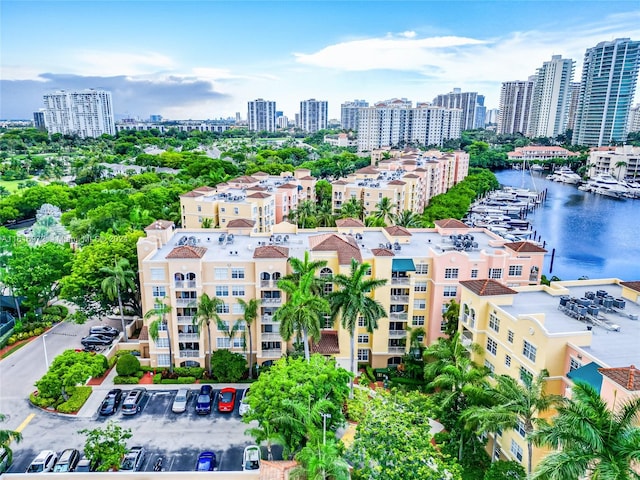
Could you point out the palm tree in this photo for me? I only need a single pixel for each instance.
(266, 432)
(372, 221)
(160, 309)
(250, 314)
(120, 277)
(321, 461)
(384, 209)
(513, 403)
(300, 268)
(444, 352)
(306, 210)
(407, 219)
(207, 310)
(589, 439)
(353, 300)
(302, 312)
(325, 215)
(619, 166)
(230, 330)
(352, 208)
(6, 437)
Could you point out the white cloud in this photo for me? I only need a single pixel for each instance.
(408, 34)
(108, 63)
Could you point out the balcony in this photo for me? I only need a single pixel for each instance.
(189, 353)
(268, 319)
(397, 349)
(273, 353)
(270, 336)
(400, 281)
(188, 337)
(400, 298)
(272, 301)
(186, 302)
(185, 284)
(399, 316)
(265, 283)
(397, 333)
(184, 320)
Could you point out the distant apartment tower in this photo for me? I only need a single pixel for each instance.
(282, 121)
(574, 96)
(491, 117)
(86, 113)
(155, 118)
(313, 115)
(633, 124)
(471, 104)
(609, 77)
(481, 113)
(551, 98)
(38, 120)
(515, 105)
(349, 114)
(261, 115)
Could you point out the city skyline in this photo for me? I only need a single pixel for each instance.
(208, 59)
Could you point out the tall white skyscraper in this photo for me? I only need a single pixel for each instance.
(313, 115)
(574, 96)
(261, 115)
(609, 77)
(471, 104)
(551, 98)
(515, 105)
(86, 113)
(349, 114)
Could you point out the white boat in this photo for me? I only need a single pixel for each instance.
(605, 184)
(536, 167)
(634, 189)
(565, 175)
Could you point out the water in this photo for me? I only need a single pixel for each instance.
(593, 235)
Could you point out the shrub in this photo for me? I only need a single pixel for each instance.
(196, 372)
(505, 470)
(125, 380)
(157, 378)
(76, 400)
(139, 374)
(127, 365)
(227, 366)
(177, 380)
(40, 401)
(12, 339)
(78, 317)
(357, 406)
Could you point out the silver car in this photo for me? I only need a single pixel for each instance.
(180, 402)
(244, 407)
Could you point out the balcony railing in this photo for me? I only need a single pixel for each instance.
(272, 353)
(265, 283)
(270, 336)
(189, 353)
(397, 333)
(184, 320)
(399, 315)
(400, 281)
(272, 301)
(186, 302)
(397, 349)
(400, 298)
(268, 319)
(185, 284)
(188, 337)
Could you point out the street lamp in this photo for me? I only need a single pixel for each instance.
(324, 426)
(44, 343)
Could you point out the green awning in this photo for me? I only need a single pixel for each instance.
(402, 265)
(588, 374)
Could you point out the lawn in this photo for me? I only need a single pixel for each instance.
(11, 185)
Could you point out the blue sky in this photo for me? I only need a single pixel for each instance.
(206, 59)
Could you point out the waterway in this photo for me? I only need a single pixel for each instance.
(593, 236)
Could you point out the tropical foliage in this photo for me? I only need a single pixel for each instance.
(105, 446)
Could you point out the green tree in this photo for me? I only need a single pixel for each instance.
(250, 314)
(300, 268)
(590, 439)
(266, 432)
(321, 461)
(127, 365)
(67, 370)
(352, 208)
(206, 312)
(118, 278)
(227, 366)
(105, 447)
(407, 219)
(505, 470)
(160, 310)
(384, 209)
(450, 317)
(6, 437)
(352, 300)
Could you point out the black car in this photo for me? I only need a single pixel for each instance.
(111, 402)
(104, 330)
(94, 340)
(203, 402)
(132, 401)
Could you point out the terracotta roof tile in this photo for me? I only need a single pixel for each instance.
(411, 175)
(450, 223)
(192, 193)
(288, 186)
(271, 251)
(204, 188)
(398, 231)
(244, 179)
(382, 252)
(487, 288)
(627, 377)
(160, 225)
(241, 223)
(339, 182)
(276, 470)
(328, 343)
(369, 169)
(256, 188)
(525, 247)
(259, 195)
(345, 246)
(349, 222)
(187, 251)
(420, 169)
(308, 177)
(259, 174)
(397, 182)
(632, 285)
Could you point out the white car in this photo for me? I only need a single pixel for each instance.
(44, 462)
(243, 407)
(251, 458)
(180, 402)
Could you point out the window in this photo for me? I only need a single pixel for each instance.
(516, 450)
(529, 351)
(494, 322)
(236, 211)
(325, 273)
(237, 291)
(495, 273)
(574, 364)
(237, 309)
(492, 346)
(328, 288)
(474, 273)
(507, 360)
(199, 208)
(363, 354)
(223, 326)
(450, 291)
(526, 376)
(363, 338)
(515, 270)
(162, 342)
(368, 272)
(422, 269)
(222, 209)
(419, 304)
(420, 287)
(223, 342)
(220, 273)
(157, 274)
(489, 366)
(237, 273)
(159, 292)
(224, 308)
(361, 321)
(238, 342)
(450, 273)
(164, 360)
(509, 336)
(222, 291)
(520, 428)
(417, 321)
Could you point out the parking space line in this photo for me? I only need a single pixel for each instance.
(26, 421)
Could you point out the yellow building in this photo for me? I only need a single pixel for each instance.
(580, 330)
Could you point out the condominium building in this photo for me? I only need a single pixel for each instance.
(313, 115)
(621, 162)
(261, 115)
(255, 202)
(515, 106)
(584, 330)
(423, 268)
(349, 114)
(633, 124)
(551, 98)
(609, 77)
(574, 97)
(492, 116)
(39, 120)
(215, 126)
(541, 152)
(85, 113)
(471, 104)
(393, 123)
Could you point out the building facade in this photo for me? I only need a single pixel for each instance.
(86, 113)
(541, 153)
(349, 114)
(216, 126)
(471, 104)
(515, 106)
(633, 124)
(314, 115)
(261, 115)
(551, 98)
(620, 162)
(39, 121)
(609, 77)
(574, 96)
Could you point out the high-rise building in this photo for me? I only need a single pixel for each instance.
(261, 115)
(633, 125)
(574, 96)
(609, 77)
(155, 118)
(38, 120)
(282, 121)
(470, 103)
(491, 117)
(481, 113)
(86, 113)
(349, 113)
(551, 97)
(313, 115)
(515, 105)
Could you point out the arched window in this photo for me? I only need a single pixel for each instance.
(325, 272)
(394, 361)
(276, 276)
(533, 275)
(265, 276)
(178, 277)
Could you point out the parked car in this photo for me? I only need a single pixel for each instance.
(67, 461)
(227, 399)
(111, 402)
(180, 402)
(203, 403)
(93, 340)
(206, 462)
(251, 458)
(84, 465)
(104, 330)
(44, 462)
(244, 407)
(133, 459)
(131, 403)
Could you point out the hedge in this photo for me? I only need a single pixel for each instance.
(42, 402)
(178, 380)
(127, 365)
(76, 400)
(189, 371)
(122, 380)
(157, 378)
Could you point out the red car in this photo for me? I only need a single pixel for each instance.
(226, 399)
